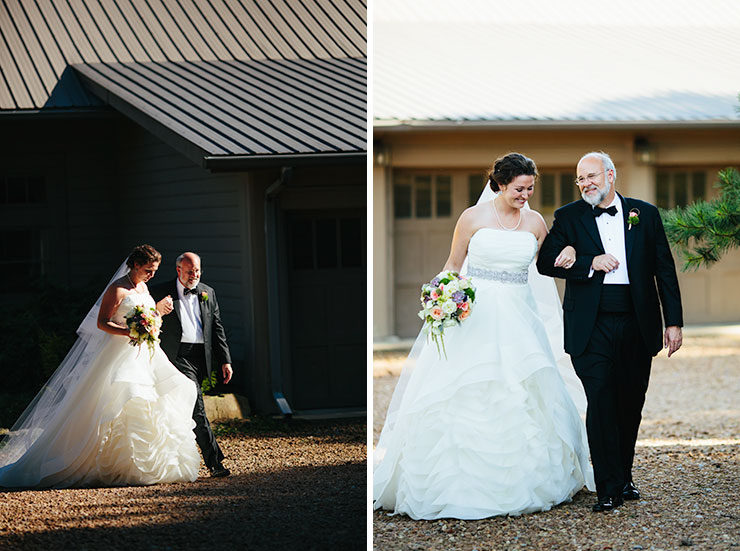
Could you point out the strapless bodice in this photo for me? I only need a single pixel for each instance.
(498, 250)
(128, 302)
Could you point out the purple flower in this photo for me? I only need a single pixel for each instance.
(457, 296)
(435, 282)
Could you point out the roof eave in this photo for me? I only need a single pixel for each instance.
(395, 125)
(236, 163)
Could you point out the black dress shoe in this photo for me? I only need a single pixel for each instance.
(630, 492)
(219, 471)
(607, 504)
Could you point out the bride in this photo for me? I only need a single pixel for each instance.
(492, 429)
(111, 414)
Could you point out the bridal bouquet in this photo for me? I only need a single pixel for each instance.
(143, 325)
(447, 300)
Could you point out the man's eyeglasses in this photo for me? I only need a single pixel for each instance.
(588, 178)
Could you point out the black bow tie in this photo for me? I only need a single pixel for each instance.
(194, 291)
(598, 211)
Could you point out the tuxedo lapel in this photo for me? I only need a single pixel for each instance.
(629, 235)
(589, 222)
(176, 305)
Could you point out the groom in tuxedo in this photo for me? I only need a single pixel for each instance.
(194, 339)
(612, 313)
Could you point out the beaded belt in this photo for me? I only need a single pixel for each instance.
(496, 275)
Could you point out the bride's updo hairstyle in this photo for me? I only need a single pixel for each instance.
(508, 167)
(143, 254)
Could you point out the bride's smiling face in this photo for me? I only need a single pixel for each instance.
(144, 272)
(519, 190)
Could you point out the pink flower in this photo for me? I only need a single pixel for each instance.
(464, 306)
(434, 294)
(437, 313)
(464, 314)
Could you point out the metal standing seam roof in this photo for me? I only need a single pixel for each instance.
(221, 77)
(267, 107)
(477, 73)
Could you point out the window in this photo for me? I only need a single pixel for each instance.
(21, 257)
(326, 242)
(475, 187)
(678, 188)
(555, 189)
(422, 196)
(22, 190)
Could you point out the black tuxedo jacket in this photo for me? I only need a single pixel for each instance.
(214, 335)
(649, 262)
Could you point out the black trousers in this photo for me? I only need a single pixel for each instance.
(191, 360)
(614, 370)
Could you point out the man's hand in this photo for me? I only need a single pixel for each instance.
(673, 339)
(227, 372)
(605, 263)
(165, 306)
(566, 258)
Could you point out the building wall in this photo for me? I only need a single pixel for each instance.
(414, 250)
(176, 206)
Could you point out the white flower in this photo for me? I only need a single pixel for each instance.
(449, 307)
(452, 287)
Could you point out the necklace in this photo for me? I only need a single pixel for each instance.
(495, 211)
(130, 281)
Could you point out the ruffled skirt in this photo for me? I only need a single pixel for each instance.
(490, 431)
(128, 423)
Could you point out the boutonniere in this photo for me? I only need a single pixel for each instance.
(633, 218)
(203, 296)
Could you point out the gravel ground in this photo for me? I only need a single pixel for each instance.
(300, 485)
(687, 467)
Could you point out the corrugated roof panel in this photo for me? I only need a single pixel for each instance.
(52, 34)
(306, 129)
(37, 55)
(148, 30)
(225, 34)
(50, 18)
(458, 71)
(232, 107)
(347, 24)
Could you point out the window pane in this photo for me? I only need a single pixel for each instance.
(423, 196)
(443, 190)
(16, 189)
(351, 238)
(698, 185)
(475, 188)
(662, 190)
(567, 189)
(547, 190)
(326, 243)
(402, 197)
(302, 244)
(680, 189)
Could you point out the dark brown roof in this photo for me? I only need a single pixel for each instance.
(232, 77)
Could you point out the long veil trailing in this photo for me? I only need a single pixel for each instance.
(549, 307)
(53, 396)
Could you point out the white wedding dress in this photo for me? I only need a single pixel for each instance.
(127, 421)
(492, 430)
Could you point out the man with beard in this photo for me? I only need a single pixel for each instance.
(193, 339)
(612, 313)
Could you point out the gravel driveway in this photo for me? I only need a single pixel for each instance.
(687, 466)
(296, 486)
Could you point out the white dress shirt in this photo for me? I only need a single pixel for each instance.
(192, 326)
(611, 231)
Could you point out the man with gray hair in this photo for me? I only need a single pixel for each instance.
(612, 313)
(193, 339)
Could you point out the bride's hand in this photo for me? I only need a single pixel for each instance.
(566, 258)
(165, 306)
